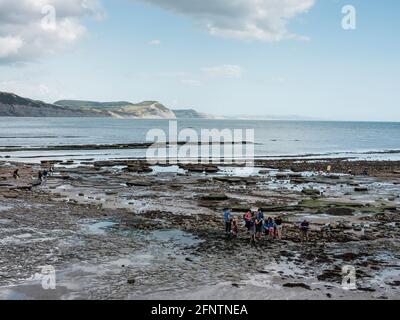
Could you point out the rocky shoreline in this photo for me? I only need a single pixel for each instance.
(124, 229)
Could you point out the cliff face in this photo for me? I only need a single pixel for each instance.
(12, 105)
(146, 110)
(123, 109)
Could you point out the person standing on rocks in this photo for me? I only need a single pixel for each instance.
(45, 174)
(235, 229)
(228, 222)
(253, 229)
(305, 229)
(271, 228)
(247, 220)
(259, 223)
(40, 176)
(16, 174)
(279, 226)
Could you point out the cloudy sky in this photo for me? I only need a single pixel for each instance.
(259, 57)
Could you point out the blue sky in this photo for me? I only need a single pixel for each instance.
(149, 50)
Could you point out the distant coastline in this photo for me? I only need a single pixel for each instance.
(12, 105)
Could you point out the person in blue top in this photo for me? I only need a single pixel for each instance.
(269, 228)
(228, 221)
(259, 223)
(266, 227)
(260, 215)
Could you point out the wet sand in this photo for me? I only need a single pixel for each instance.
(126, 230)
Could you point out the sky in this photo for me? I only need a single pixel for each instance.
(242, 57)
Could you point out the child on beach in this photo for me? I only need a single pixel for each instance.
(271, 228)
(235, 229)
(266, 228)
(278, 228)
(247, 219)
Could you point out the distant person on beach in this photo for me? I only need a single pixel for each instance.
(259, 224)
(365, 172)
(271, 228)
(260, 215)
(45, 174)
(40, 176)
(51, 171)
(253, 229)
(247, 220)
(279, 226)
(228, 222)
(305, 229)
(265, 228)
(16, 174)
(235, 228)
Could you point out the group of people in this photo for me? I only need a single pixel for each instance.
(260, 227)
(257, 225)
(42, 175)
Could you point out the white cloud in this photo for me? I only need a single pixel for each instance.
(224, 71)
(9, 46)
(264, 20)
(33, 90)
(154, 42)
(25, 34)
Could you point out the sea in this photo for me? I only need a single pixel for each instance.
(272, 139)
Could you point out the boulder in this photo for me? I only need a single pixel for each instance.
(199, 168)
(281, 176)
(340, 211)
(215, 197)
(297, 285)
(228, 179)
(139, 168)
(360, 189)
(311, 192)
(138, 184)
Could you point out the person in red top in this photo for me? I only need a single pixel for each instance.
(247, 220)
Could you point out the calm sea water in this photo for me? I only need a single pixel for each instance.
(273, 138)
